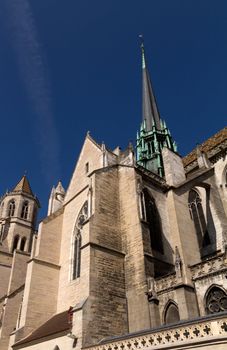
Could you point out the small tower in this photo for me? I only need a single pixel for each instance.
(56, 199)
(154, 134)
(18, 213)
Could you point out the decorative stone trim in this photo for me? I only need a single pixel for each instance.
(166, 283)
(208, 268)
(200, 331)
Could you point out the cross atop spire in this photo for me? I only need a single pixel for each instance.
(150, 108)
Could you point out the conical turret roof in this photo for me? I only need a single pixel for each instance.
(23, 186)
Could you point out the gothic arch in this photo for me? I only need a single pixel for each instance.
(22, 244)
(152, 217)
(77, 240)
(24, 210)
(215, 299)
(171, 312)
(197, 215)
(11, 207)
(56, 347)
(15, 242)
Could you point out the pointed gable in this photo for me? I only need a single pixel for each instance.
(23, 186)
(90, 159)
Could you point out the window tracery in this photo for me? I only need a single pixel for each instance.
(216, 300)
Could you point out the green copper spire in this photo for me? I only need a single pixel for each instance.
(154, 134)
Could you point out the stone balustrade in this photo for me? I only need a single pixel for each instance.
(207, 331)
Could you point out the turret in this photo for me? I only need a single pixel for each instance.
(18, 213)
(56, 199)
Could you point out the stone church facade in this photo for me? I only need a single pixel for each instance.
(132, 256)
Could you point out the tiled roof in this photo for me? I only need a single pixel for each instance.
(24, 186)
(58, 323)
(207, 146)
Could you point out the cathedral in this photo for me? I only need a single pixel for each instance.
(133, 255)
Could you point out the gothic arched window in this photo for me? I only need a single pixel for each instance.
(216, 300)
(11, 209)
(171, 313)
(82, 217)
(77, 256)
(22, 243)
(24, 211)
(197, 214)
(15, 243)
(154, 221)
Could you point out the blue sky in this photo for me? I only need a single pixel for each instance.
(67, 67)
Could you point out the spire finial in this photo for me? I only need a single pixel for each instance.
(142, 49)
(141, 40)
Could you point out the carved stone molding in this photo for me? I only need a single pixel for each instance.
(170, 337)
(210, 267)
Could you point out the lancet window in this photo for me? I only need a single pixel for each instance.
(197, 215)
(24, 211)
(19, 313)
(22, 244)
(77, 239)
(171, 313)
(216, 300)
(77, 255)
(151, 215)
(11, 209)
(15, 243)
